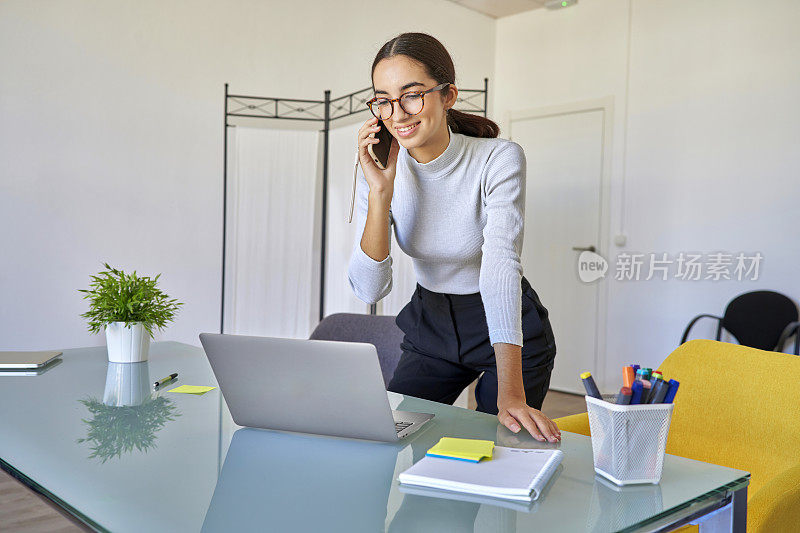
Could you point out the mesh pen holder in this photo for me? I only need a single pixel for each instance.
(628, 441)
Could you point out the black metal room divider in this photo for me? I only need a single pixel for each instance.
(326, 111)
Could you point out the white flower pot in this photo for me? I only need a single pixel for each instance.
(127, 344)
(127, 384)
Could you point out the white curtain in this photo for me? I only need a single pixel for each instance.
(272, 272)
(339, 297)
(274, 233)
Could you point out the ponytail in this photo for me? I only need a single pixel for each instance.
(471, 125)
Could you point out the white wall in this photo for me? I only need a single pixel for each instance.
(712, 132)
(111, 135)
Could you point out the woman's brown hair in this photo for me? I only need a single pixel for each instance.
(432, 55)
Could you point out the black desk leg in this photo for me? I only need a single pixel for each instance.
(740, 510)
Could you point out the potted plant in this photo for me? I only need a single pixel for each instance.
(128, 306)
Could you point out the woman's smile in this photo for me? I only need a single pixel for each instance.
(406, 130)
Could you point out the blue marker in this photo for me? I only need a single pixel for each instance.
(636, 392)
(673, 388)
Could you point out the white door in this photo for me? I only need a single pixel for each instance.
(563, 208)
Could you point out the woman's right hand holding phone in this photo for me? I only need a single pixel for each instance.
(380, 181)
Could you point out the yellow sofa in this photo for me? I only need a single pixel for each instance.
(737, 407)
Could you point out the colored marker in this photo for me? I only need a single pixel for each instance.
(673, 389)
(639, 375)
(624, 396)
(635, 368)
(636, 392)
(647, 373)
(589, 385)
(659, 392)
(655, 379)
(628, 376)
(648, 388)
(657, 375)
(166, 379)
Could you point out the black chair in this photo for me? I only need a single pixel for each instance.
(759, 319)
(378, 330)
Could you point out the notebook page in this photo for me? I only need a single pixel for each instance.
(511, 473)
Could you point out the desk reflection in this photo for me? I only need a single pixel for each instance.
(129, 416)
(615, 507)
(276, 481)
(284, 481)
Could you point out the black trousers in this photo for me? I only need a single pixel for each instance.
(446, 346)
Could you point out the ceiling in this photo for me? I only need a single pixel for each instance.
(500, 8)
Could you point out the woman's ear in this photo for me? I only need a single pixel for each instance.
(452, 96)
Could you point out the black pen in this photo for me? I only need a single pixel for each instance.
(164, 380)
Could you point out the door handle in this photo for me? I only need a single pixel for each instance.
(584, 248)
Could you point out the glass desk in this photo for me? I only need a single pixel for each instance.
(92, 437)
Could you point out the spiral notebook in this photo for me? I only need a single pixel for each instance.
(512, 473)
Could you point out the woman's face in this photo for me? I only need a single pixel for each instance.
(397, 75)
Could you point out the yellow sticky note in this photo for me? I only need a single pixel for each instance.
(464, 449)
(192, 389)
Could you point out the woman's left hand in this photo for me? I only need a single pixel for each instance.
(513, 412)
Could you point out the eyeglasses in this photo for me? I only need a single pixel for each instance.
(410, 102)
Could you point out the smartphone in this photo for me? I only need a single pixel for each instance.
(380, 151)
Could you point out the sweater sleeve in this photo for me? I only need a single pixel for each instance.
(501, 269)
(370, 280)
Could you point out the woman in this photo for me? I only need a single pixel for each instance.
(455, 195)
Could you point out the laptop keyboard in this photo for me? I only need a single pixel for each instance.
(400, 426)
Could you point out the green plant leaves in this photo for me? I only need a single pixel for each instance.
(115, 296)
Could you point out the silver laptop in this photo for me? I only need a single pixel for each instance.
(307, 385)
(27, 360)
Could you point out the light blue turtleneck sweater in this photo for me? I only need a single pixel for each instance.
(460, 219)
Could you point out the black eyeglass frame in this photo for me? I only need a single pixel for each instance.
(421, 94)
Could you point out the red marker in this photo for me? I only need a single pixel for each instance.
(624, 396)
